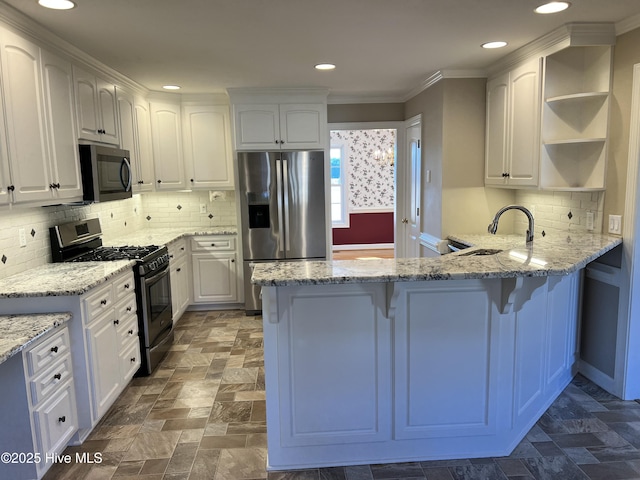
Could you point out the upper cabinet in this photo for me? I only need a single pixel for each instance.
(96, 108)
(551, 130)
(41, 145)
(166, 132)
(207, 146)
(575, 116)
(287, 119)
(512, 143)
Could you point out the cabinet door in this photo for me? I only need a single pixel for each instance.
(180, 296)
(63, 142)
(496, 130)
(130, 361)
(144, 175)
(26, 127)
(86, 105)
(207, 146)
(102, 339)
(108, 112)
(214, 277)
(167, 146)
(257, 127)
(126, 115)
(524, 119)
(301, 126)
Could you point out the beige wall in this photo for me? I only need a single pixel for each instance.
(365, 112)
(626, 55)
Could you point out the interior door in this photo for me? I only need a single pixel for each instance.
(412, 220)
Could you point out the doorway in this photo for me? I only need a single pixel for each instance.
(366, 161)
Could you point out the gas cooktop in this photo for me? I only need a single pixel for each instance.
(116, 253)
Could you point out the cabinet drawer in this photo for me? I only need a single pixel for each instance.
(177, 249)
(50, 350)
(128, 330)
(48, 382)
(98, 302)
(126, 308)
(123, 286)
(56, 421)
(227, 243)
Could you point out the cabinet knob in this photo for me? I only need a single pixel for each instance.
(54, 349)
(213, 244)
(182, 248)
(159, 181)
(133, 359)
(57, 376)
(128, 309)
(277, 141)
(130, 332)
(116, 322)
(11, 188)
(103, 302)
(62, 419)
(233, 260)
(192, 180)
(178, 269)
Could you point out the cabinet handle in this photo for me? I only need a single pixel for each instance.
(54, 349)
(116, 322)
(57, 185)
(57, 376)
(170, 256)
(127, 286)
(213, 244)
(192, 180)
(128, 309)
(277, 141)
(103, 302)
(62, 419)
(133, 359)
(159, 181)
(130, 332)
(11, 188)
(233, 260)
(178, 269)
(182, 248)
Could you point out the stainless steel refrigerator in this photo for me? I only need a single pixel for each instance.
(282, 209)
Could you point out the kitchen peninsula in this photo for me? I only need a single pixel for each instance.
(380, 361)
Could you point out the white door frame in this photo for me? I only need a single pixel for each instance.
(627, 373)
(399, 166)
(415, 121)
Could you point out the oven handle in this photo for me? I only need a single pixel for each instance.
(125, 166)
(158, 276)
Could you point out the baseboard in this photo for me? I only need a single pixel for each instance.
(363, 246)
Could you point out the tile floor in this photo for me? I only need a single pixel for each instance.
(201, 416)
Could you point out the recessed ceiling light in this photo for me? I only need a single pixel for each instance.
(325, 66)
(552, 7)
(494, 44)
(171, 87)
(57, 4)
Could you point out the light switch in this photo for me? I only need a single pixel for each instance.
(615, 224)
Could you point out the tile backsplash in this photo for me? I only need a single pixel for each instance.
(118, 218)
(560, 212)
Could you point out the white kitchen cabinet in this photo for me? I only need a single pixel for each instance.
(512, 155)
(180, 277)
(144, 176)
(41, 143)
(575, 113)
(280, 126)
(215, 269)
(207, 146)
(40, 407)
(166, 132)
(96, 108)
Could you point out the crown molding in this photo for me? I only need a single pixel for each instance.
(628, 24)
(441, 75)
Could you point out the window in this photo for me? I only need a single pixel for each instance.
(338, 201)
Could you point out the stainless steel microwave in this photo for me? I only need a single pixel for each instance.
(106, 173)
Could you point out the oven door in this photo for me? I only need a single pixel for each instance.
(156, 307)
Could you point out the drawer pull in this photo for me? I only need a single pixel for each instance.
(178, 269)
(128, 309)
(62, 419)
(213, 244)
(54, 349)
(103, 302)
(133, 359)
(57, 376)
(116, 322)
(130, 332)
(126, 286)
(182, 248)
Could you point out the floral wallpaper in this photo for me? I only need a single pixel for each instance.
(369, 180)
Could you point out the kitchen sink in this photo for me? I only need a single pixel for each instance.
(481, 251)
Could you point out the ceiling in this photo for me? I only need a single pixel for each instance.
(382, 48)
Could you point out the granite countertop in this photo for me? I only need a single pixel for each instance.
(67, 279)
(164, 236)
(551, 255)
(20, 331)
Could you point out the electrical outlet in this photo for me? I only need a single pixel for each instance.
(615, 224)
(590, 221)
(203, 208)
(22, 237)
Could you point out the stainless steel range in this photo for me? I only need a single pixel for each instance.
(82, 242)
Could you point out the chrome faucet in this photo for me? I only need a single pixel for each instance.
(493, 226)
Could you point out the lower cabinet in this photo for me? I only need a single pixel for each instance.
(411, 371)
(215, 269)
(40, 410)
(180, 277)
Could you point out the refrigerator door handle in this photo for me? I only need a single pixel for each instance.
(285, 196)
(280, 195)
